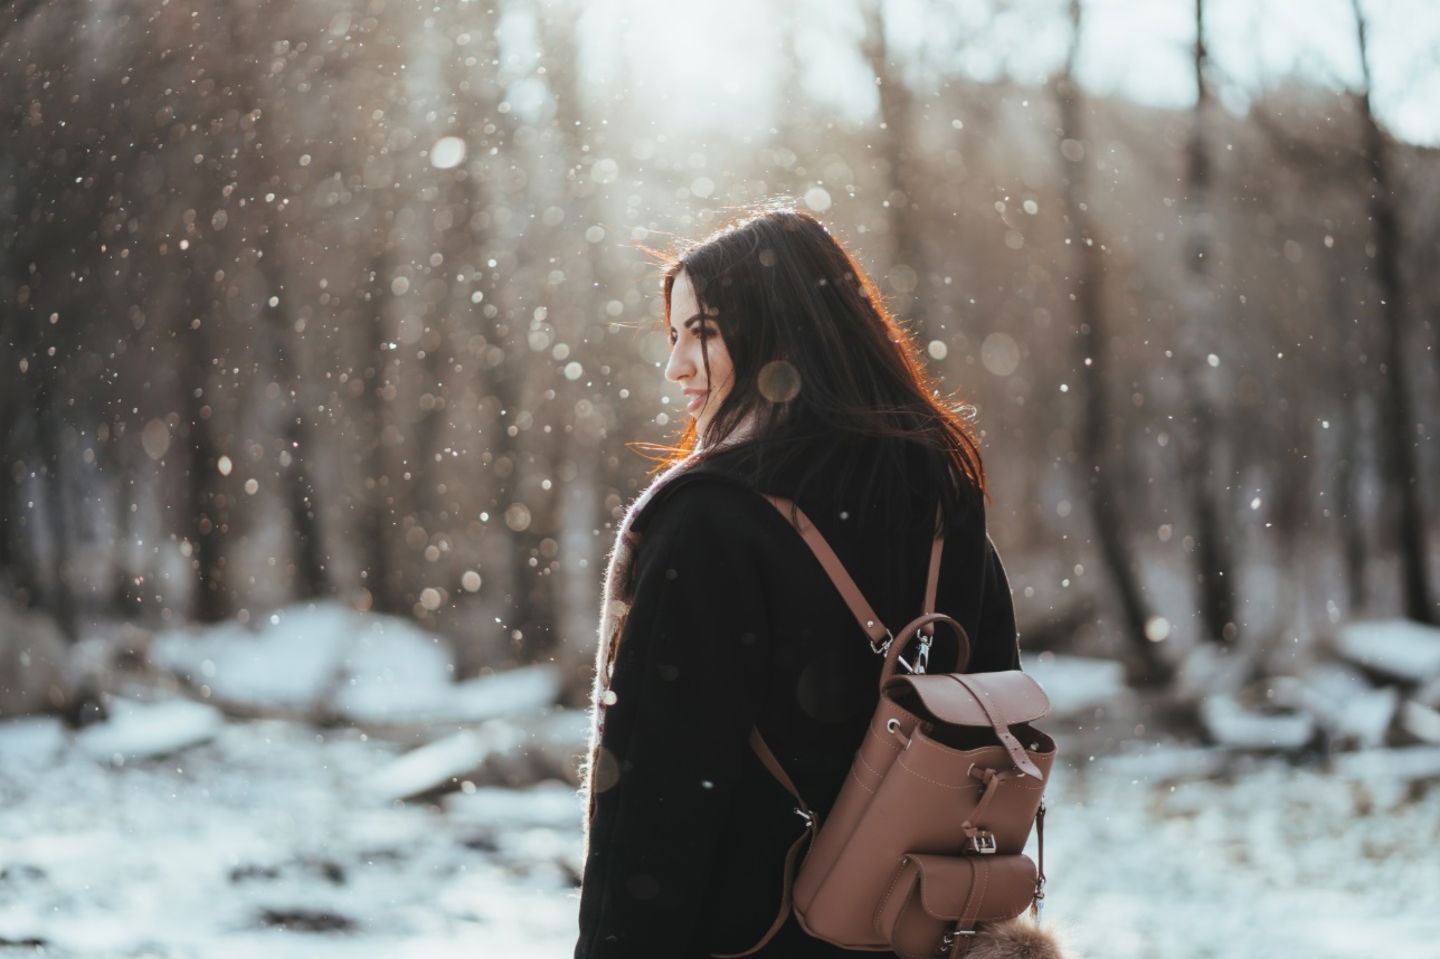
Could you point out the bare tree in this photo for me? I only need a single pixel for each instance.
(1327, 167)
(576, 458)
(47, 266)
(900, 152)
(378, 542)
(516, 269)
(1203, 448)
(1350, 443)
(257, 143)
(1401, 468)
(205, 514)
(1096, 446)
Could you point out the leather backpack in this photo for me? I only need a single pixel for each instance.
(922, 850)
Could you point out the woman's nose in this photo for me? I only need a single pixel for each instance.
(677, 366)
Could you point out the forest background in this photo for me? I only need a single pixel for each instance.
(361, 312)
(345, 302)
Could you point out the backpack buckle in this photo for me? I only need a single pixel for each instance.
(983, 842)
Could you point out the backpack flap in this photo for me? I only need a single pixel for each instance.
(998, 700)
(940, 697)
(931, 896)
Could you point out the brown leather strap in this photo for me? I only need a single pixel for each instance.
(784, 913)
(974, 823)
(859, 606)
(998, 723)
(933, 580)
(762, 750)
(861, 609)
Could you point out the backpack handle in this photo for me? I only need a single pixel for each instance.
(892, 655)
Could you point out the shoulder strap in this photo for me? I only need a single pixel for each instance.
(859, 606)
(762, 749)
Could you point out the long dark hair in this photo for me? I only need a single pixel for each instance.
(819, 359)
(824, 370)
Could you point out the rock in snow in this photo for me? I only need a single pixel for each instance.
(1229, 723)
(1074, 684)
(1354, 712)
(1420, 721)
(1400, 648)
(513, 692)
(290, 662)
(325, 660)
(443, 764)
(388, 665)
(147, 730)
(1402, 764)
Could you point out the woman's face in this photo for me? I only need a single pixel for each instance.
(688, 327)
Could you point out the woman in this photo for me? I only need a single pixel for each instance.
(719, 618)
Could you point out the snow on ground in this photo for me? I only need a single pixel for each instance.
(263, 838)
(223, 849)
(1265, 859)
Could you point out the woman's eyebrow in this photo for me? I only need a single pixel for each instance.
(698, 316)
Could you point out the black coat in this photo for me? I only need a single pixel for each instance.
(734, 623)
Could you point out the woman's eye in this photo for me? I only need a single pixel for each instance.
(703, 334)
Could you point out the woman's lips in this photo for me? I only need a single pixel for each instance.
(696, 401)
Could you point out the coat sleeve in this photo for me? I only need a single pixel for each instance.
(689, 677)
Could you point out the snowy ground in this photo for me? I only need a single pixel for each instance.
(263, 841)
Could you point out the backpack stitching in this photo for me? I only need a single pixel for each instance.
(889, 892)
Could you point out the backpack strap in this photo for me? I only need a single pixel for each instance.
(932, 581)
(995, 712)
(792, 855)
(859, 606)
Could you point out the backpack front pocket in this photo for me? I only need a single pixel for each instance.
(933, 899)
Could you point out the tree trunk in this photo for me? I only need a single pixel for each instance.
(1401, 469)
(378, 513)
(205, 510)
(1202, 448)
(575, 454)
(1102, 483)
(383, 492)
(1349, 443)
(258, 166)
(909, 274)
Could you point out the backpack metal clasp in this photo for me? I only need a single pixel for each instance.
(922, 658)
